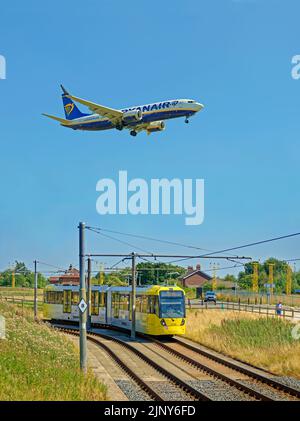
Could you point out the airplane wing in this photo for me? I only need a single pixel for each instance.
(110, 113)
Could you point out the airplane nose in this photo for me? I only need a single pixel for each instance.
(199, 106)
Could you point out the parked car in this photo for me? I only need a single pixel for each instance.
(210, 296)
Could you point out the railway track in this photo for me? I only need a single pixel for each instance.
(166, 384)
(259, 384)
(208, 375)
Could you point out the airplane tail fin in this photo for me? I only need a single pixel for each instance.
(71, 109)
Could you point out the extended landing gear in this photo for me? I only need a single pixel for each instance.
(133, 133)
(186, 120)
(119, 127)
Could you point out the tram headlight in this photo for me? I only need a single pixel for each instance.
(163, 323)
(182, 322)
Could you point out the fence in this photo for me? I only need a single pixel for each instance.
(252, 308)
(20, 301)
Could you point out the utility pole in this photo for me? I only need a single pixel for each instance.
(214, 280)
(35, 290)
(13, 279)
(133, 293)
(82, 304)
(255, 277)
(288, 286)
(89, 294)
(271, 276)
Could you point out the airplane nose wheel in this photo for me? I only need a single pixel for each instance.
(186, 120)
(133, 133)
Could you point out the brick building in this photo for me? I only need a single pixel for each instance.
(70, 277)
(195, 278)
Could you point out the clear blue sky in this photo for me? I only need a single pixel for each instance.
(234, 56)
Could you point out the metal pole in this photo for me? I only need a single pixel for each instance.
(133, 293)
(35, 290)
(82, 296)
(89, 289)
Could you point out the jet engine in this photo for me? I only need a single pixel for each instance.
(156, 126)
(132, 116)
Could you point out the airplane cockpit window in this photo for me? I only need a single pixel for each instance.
(190, 101)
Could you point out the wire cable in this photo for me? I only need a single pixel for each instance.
(120, 241)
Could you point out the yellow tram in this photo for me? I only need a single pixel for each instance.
(160, 310)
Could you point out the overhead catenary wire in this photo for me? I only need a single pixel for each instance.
(144, 237)
(117, 239)
(211, 253)
(50, 265)
(244, 246)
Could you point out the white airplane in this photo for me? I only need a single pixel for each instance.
(142, 117)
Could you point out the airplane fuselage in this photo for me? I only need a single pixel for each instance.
(156, 111)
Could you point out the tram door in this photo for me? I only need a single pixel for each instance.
(95, 303)
(67, 301)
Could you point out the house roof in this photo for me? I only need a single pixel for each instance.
(198, 272)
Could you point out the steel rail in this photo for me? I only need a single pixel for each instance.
(232, 382)
(141, 383)
(187, 388)
(241, 367)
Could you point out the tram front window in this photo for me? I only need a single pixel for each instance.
(171, 304)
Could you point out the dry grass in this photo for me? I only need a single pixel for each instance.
(25, 293)
(38, 363)
(264, 342)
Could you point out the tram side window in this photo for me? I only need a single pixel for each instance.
(75, 298)
(144, 304)
(54, 297)
(124, 302)
(138, 304)
(59, 297)
(141, 303)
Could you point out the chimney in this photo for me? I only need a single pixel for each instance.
(190, 269)
(198, 267)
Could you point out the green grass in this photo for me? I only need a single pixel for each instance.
(261, 333)
(39, 363)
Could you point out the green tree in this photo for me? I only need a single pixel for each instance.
(23, 277)
(157, 273)
(245, 278)
(230, 278)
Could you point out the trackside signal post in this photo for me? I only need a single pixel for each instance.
(89, 293)
(35, 289)
(82, 304)
(133, 298)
